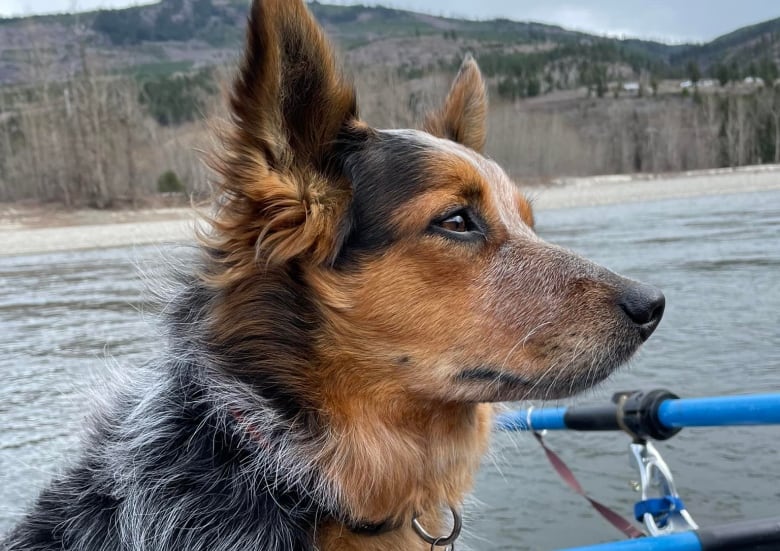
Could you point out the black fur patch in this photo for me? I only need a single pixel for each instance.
(490, 375)
(386, 170)
(266, 357)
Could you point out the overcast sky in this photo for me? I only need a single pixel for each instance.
(667, 20)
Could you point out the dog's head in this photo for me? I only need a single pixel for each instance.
(416, 252)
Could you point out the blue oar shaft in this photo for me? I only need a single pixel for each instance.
(761, 409)
(757, 409)
(687, 541)
(758, 535)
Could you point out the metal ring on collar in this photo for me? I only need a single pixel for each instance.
(457, 524)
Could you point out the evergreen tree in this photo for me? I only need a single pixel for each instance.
(693, 71)
(723, 74)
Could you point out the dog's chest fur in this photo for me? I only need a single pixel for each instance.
(408, 476)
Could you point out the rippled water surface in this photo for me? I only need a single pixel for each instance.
(65, 319)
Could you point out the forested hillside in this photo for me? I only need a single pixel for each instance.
(95, 107)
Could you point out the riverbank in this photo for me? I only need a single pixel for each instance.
(609, 190)
(30, 230)
(35, 230)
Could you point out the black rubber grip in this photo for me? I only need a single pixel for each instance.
(638, 410)
(752, 535)
(591, 418)
(640, 413)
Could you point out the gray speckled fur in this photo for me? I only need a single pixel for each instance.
(166, 465)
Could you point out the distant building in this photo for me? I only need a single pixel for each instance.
(631, 87)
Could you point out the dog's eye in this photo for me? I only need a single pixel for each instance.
(455, 223)
(459, 225)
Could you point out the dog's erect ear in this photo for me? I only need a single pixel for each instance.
(281, 195)
(463, 118)
(289, 98)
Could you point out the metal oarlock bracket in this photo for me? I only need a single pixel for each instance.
(657, 486)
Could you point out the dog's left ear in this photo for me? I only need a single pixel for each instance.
(282, 195)
(463, 118)
(290, 99)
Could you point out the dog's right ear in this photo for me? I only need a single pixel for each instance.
(281, 194)
(463, 117)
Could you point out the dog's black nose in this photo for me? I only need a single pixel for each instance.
(644, 305)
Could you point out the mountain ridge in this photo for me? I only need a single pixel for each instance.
(175, 35)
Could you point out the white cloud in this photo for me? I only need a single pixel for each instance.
(575, 17)
(8, 7)
(579, 18)
(28, 7)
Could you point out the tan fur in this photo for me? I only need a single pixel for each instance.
(274, 202)
(400, 458)
(463, 118)
(526, 211)
(388, 458)
(404, 426)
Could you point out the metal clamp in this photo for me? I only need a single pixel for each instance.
(656, 481)
(529, 423)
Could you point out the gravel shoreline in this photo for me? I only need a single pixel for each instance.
(609, 190)
(69, 232)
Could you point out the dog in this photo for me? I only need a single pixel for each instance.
(360, 299)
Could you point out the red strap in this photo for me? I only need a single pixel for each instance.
(253, 433)
(568, 477)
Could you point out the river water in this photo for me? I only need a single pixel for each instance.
(66, 318)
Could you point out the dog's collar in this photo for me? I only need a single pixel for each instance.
(371, 529)
(360, 527)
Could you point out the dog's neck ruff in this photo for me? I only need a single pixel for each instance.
(360, 527)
